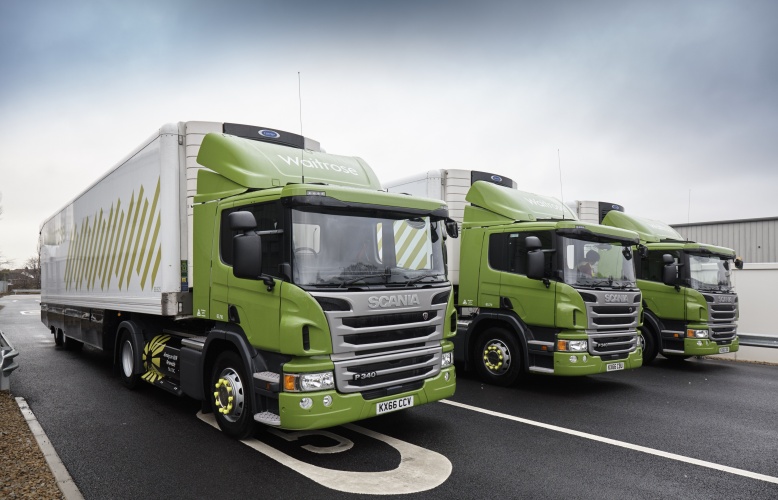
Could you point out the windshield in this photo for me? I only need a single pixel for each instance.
(336, 249)
(597, 264)
(709, 273)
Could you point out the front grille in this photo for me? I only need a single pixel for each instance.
(388, 319)
(386, 370)
(601, 344)
(388, 336)
(722, 316)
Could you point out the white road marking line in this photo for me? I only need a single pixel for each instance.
(622, 444)
(420, 469)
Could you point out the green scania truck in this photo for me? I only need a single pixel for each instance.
(537, 290)
(244, 267)
(690, 307)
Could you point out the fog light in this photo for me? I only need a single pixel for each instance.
(446, 376)
(574, 359)
(585, 358)
(327, 401)
(306, 403)
(699, 343)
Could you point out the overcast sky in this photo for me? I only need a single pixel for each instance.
(648, 104)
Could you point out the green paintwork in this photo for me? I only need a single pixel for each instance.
(650, 231)
(261, 165)
(298, 310)
(350, 407)
(516, 205)
(212, 186)
(570, 306)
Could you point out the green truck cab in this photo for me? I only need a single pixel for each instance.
(529, 301)
(690, 307)
(275, 283)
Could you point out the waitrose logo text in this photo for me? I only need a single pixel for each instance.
(314, 163)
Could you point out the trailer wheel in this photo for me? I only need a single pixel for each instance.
(127, 361)
(231, 399)
(649, 345)
(59, 338)
(498, 357)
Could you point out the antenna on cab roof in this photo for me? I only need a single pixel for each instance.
(300, 104)
(561, 193)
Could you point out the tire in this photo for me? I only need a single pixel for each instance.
(59, 338)
(230, 394)
(73, 344)
(498, 357)
(650, 347)
(126, 361)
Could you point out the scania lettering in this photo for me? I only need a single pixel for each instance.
(244, 267)
(690, 307)
(528, 299)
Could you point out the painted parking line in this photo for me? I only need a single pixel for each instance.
(420, 469)
(622, 444)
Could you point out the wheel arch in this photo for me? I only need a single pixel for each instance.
(491, 319)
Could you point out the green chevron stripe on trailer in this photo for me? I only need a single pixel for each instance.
(116, 243)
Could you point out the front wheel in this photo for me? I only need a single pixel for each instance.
(649, 345)
(498, 357)
(230, 396)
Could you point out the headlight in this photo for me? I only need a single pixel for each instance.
(306, 382)
(697, 334)
(572, 345)
(447, 359)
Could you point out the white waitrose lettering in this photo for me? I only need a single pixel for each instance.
(315, 163)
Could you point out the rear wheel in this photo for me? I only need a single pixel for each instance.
(127, 361)
(230, 396)
(649, 344)
(498, 357)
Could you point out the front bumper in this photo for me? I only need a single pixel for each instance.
(708, 347)
(586, 364)
(347, 408)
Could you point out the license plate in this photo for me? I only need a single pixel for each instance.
(394, 405)
(722, 350)
(612, 367)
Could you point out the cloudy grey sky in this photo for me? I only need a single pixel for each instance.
(648, 104)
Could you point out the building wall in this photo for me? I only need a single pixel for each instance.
(754, 240)
(755, 286)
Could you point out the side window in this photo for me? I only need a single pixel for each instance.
(269, 217)
(651, 268)
(508, 251)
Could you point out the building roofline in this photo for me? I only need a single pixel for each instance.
(733, 221)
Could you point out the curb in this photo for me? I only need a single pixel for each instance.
(61, 475)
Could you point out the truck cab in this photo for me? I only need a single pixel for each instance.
(537, 290)
(690, 305)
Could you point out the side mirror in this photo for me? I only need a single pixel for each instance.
(452, 229)
(246, 246)
(627, 252)
(739, 263)
(643, 251)
(535, 258)
(669, 271)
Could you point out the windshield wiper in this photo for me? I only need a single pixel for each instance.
(353, 280)
(419, 278)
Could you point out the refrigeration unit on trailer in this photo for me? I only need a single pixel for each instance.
(690, 305)
(537, 290)
(246, 268)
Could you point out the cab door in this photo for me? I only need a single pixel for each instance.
(531, 299)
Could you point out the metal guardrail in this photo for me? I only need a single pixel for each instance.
(758, 340)
(7, 362)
